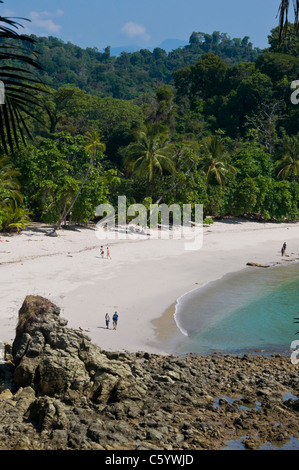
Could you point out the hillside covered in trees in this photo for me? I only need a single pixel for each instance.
(211, 123)
(131, 74)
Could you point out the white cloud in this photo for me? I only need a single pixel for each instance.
(44, 20)
(134, 30)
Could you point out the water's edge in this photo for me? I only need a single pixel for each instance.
(261, 280)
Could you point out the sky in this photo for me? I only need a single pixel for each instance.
(145, 23)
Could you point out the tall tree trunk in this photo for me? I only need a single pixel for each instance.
(64, 215)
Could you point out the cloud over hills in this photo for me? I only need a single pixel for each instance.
(134, 30)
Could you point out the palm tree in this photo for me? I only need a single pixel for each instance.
(150, 155)
(215, 162)
(288, 166)
(93, 144)
(19, 83)
(9, 184)
(15, 219)
(283, 15)
(12, 216)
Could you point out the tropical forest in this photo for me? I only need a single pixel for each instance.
(214, 123)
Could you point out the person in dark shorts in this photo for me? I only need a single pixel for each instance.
(115, 320)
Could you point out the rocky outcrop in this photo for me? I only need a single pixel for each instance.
(258, 265)
(63, 363)
(60, 391)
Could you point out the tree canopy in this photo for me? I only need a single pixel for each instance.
(210, 123)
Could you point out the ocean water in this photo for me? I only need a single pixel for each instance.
(253, 310)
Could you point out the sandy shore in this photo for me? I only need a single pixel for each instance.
(141, 281)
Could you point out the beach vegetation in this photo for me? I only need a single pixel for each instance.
(60, 178)
(149, 156)
(288, 166)
(13, 216)
(9, 184)
(93, 144)
(215, 161)
(14, 219)
(208, 220)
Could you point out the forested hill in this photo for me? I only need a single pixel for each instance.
(132, 74)
(221, 117)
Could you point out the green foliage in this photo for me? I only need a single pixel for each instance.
(53, 173)
(14, 219)
(288, 166)
(288, 44)
(9, 183)
(282, 200)
(211, 123)
(17, 74)
(12, 216)
(215, 161)
(150, 155)
(208, 221)
(131, 74)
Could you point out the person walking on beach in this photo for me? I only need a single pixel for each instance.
(107, 320)
(283, 249)
(102, 251)
(108, 253)
(115, 320)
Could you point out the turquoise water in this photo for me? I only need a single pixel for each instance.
(252, 310)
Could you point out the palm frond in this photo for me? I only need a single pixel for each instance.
(19, 81)
(283, 12)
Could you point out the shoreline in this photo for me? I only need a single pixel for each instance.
(143, 281)
(138, 401)
(170, 332)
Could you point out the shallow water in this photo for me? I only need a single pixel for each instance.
(237, 444)
(251, 310)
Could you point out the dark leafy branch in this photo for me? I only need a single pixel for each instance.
(20, 83)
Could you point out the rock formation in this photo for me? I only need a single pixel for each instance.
(60, 391)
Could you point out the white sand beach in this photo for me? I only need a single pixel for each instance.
(141, 281)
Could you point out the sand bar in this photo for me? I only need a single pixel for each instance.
(141, 282)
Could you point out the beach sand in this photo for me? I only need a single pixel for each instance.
(142, 280)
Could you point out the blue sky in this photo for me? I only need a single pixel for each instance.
(145, 23)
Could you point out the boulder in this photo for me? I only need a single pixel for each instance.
(58, 391)
(250, 263)
(48, 356)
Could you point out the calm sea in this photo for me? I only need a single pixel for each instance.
(253, 310)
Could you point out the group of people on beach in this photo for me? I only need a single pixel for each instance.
(114, 320)
(103, 252)
(283, 248)
(115, 315)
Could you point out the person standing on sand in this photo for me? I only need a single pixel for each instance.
(102, 251)
(107, 320)
(115, 320)
(283, 249)
(108, 253)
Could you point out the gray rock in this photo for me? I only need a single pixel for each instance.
(62, 392)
